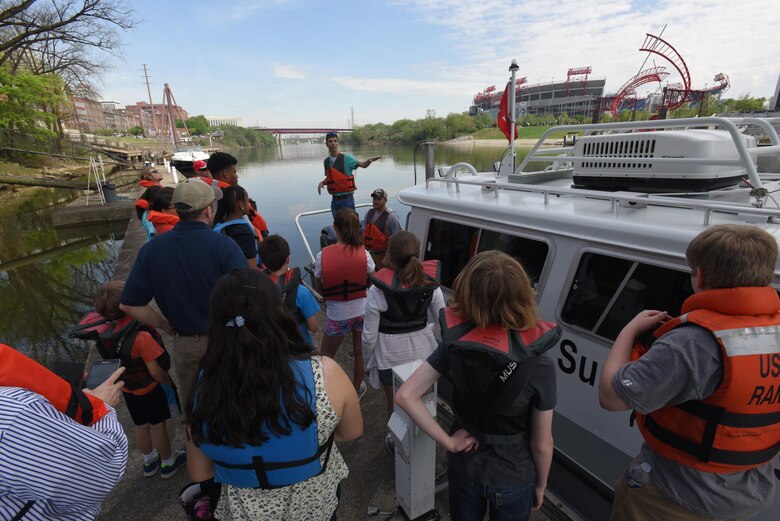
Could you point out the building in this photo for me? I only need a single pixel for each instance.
(228, 121)
(575, 98)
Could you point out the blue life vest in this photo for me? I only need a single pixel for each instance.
(148, 227)
(220, 228)
(280, 461)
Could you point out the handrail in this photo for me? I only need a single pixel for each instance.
(315, 212)
(614, 199)
(728, 124)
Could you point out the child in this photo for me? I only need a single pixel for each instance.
(150, 176)
(341, 277)
(500, 446)
(231, 220)
(162, 215)
(142, 206)
(401, 309)
(275, 254)
(702, 392)
(146, 363)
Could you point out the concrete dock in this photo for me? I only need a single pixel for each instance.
(371, 468)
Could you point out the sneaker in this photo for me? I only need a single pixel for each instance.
(166, 471)
(362, 390)
(390, 444)
(151, 468)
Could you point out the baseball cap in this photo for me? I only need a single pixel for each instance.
(193, 195)
(331, 134)
(379, 194)
(199, 165)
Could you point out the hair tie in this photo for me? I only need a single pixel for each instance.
(238, 321)
(407, 259)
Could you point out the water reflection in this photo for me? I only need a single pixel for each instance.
(48, 278)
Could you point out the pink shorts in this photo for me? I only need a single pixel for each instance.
(342, 327)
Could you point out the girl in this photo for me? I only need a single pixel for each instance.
(341, 276)
(263, 397)
(401, 309)
(230, 220)
(150, 176)
(500, 445)
(162, 215)
(142, 209)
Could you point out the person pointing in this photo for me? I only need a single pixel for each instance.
(340, 174)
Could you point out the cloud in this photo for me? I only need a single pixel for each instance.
(289, 72)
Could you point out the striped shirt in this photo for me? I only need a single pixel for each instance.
(67, 469)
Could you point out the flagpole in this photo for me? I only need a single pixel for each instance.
(512, 116)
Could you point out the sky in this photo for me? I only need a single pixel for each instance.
(306, 63)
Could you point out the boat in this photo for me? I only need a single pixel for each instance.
(185, 155)
(601, 226)
(185, 152)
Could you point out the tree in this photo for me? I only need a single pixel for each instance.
(198, 125)
(61, 36)
(28, 101)
(135, 131)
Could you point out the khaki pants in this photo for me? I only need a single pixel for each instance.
(187, 352)
(648, 504)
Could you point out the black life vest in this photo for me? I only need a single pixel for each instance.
(288, 287)
(114, 339)
(407, 308)
(490, 369)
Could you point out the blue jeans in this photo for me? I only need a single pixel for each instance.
(469, 501)
(338, 204)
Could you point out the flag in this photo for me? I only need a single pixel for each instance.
(503, 113)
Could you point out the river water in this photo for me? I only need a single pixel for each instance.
(48, 276)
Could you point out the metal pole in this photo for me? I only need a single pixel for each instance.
(512, 116)
(430, 168)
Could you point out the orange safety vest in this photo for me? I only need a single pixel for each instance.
(143, 204)
(336, 179)
(738, 426)
(18, 370)
(163, 222)
(374, 236)
(344, 272)
(147, 184)
(211, 181)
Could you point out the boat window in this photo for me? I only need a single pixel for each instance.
(452, 245)
(529, 252)
(607, 292)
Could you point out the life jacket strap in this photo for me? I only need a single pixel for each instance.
(78, 399)
(343, 289)
(261, 467)
(19, 515)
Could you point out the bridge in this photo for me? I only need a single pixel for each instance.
(279, 130)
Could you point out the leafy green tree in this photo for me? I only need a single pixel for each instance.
(28, 102)
(198, 125)
(135, 131)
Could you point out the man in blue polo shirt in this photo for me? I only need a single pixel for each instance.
(340, 175)
(179, 269)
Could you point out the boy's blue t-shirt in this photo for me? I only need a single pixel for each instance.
(308, 306)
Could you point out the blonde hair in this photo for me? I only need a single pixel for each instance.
(146, 172)
(493, 288)
(107, 300)
(733, 255)
(403, 252)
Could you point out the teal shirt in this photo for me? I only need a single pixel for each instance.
(350, 164)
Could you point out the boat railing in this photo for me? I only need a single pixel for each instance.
(315, 212)
(617, 199)
(746, 154)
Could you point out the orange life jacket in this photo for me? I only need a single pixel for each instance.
(336, 179)
(374, 236)
(146, 183)
(163, 222)
(18, 370)
(211, 181)
(407, 307)
(738, 426)
(288, 287)
(344, 272)
(143, 204)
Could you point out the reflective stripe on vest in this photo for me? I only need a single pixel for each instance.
(336, 179)
(490, 369)
(280, 461)
(344, 272)
(407, 307)
(738, 426)
(374, 236)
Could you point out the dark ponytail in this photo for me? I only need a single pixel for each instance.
(347, 224)
(229, 202)
(403, 251)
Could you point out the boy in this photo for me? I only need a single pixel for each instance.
(699, 391)
(146, 363)
(275, 254)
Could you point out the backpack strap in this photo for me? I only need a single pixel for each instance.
(19, 515)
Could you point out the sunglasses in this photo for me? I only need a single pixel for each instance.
(155, 172)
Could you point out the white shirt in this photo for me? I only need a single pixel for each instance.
(66, 468)
(344, 309)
